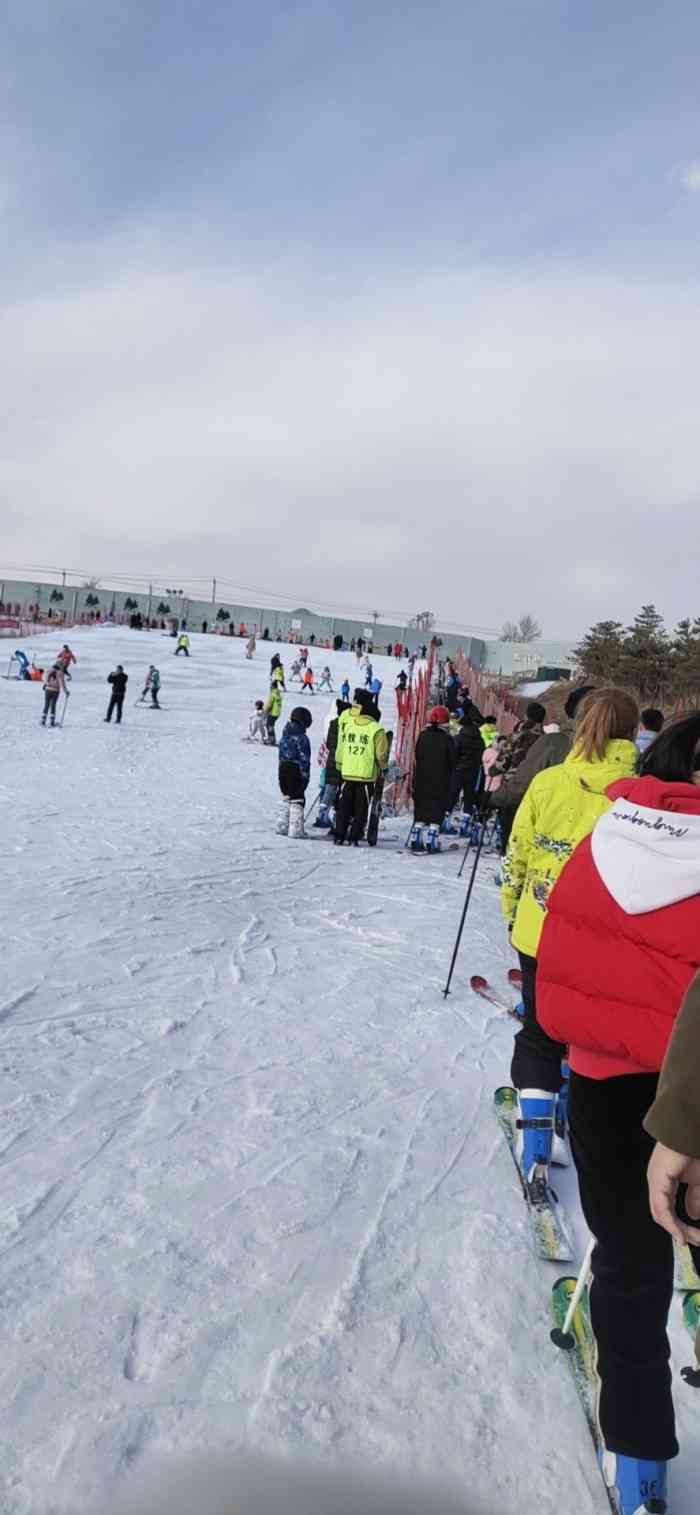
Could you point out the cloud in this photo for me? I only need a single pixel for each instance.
(689, 175)
(479, 441)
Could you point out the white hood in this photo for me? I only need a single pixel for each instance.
(647, 858)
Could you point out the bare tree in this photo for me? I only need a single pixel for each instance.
(509, 631)
(423, 621)
(526, 629)
(92, 583)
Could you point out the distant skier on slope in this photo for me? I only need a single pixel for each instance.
(257, 724)
(272, 709)
(118, 680)
(151, 686)
(277, 672)
(361, 753)
(53, 687)
(183, 644)
(325, 681)
(294, 773)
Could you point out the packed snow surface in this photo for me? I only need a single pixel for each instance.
(252, 1191)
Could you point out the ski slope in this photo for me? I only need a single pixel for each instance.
(251, 1190)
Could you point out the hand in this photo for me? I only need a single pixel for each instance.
(666, 1171)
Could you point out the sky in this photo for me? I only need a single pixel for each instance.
(393, 305)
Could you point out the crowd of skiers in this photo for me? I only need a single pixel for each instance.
(601, 895)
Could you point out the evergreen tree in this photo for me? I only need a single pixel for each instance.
(685, 663)
(647, 659)
(601, 651)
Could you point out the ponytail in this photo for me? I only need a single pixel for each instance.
(607, 714)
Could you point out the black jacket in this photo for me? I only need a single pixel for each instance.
(469, 750)
(432, 782)
(119, 682)
(333, 774)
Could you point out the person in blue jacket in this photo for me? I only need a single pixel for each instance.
(294, 773)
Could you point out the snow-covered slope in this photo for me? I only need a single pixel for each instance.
(250, 1187)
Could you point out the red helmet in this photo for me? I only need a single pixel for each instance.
(439, 715)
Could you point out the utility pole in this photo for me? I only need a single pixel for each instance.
(150, 597)
(63, 578)
(213, 591)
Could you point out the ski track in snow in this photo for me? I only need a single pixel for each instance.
(251, 1188)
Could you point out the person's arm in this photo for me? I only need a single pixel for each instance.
(381, 748)
(516, 783)
(305, 758)
(674, 1119)
(515, 863)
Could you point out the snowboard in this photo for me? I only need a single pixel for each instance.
(548, 1226)
(375, 804)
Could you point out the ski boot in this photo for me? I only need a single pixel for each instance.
(322, 819)
(296, 820)
(43, 720)
(534, 1136)
(282, 827)
(449, 826)
(465, 824)
(639, 1485)
(560, 1150)
(417, 843)
(432, 841)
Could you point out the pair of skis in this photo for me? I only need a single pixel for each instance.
(482, 987)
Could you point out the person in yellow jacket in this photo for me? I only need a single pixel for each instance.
(272, 708)
(558, 810)
(489, 731)
(361, 754)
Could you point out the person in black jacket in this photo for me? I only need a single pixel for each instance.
(118, 681)
(333, 778)
(432, 780)
(469, 750)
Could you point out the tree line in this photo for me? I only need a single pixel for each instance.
(659, 667)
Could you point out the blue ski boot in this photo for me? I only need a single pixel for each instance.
(432, 841)
(560, 1150)
(322, 819)
(417, 844)
(639, 1485)
(534, 1135)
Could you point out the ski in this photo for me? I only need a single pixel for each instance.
(549, 1230)
(581, 1357)
(375, 804)
(691, 1320)
(685, 1275)
(515, 978)
(482, 987)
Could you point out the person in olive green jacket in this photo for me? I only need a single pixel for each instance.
(361, 754)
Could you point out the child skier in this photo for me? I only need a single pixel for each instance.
(151, 686)
(325, 681)
(308, 681)
(183, 644)
(294, 773)
(296, 671)
(53, 686)
(345, 691)
(272, 709)
(250, 646)
(257, 725)
(277, 672)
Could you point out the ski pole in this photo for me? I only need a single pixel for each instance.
(563, 1336)
(477, 855)
(410, 834)
(7, 675)
(314, 803)
(65, 705)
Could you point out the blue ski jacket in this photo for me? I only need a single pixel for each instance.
(296, 748)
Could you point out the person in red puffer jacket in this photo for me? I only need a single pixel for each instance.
(620, 946)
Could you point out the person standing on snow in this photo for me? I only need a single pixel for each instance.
(307, 682)
(619, 949)
(53, 686)
(469, 751)
(151, 686)
(183, 644)
(433, 780)
(325, 681)
(250, 645)
(332, 775)
(345, 691)
(294, 773)
(272, 709)
(118, 681)
(361, 754)
(65, 658)
(257, 726)
(560, 808)
(277, 673)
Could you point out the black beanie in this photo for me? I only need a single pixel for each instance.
(302, 716)
(575, 698)
(536, 713)
(366, 702)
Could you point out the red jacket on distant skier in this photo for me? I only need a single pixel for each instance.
(621, 942)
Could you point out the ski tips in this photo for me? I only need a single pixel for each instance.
(478, 982)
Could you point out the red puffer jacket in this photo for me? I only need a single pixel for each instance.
(622, 937)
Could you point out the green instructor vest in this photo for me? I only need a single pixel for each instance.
(357, 757)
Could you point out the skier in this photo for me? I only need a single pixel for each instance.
(257, 726)
(151, 686)
(65, 658)
(620, 946)
(332, 775)
(424, 652)
(368, 671)
(296, 671)
(451, 686)
(53, 686)
(560, 808)
(375, 688)
(432, 780)
(277, 672)
(272, 709)
(651, 723)
(361, 752)
(118, 681)
(303, 656)
(469, 751)
(401, 681)
(325, 681)
(183, 644)
(308, 681)
(250, 646)
(345, 691)
(294, 773)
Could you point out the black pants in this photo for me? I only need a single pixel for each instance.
(182, 649)
(537, 1059)
(291, 781)
(464, 783)
(270, 737)
(506, 815)
(632, 1263)
(115, 703)
(50, 702)
(351, 810)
